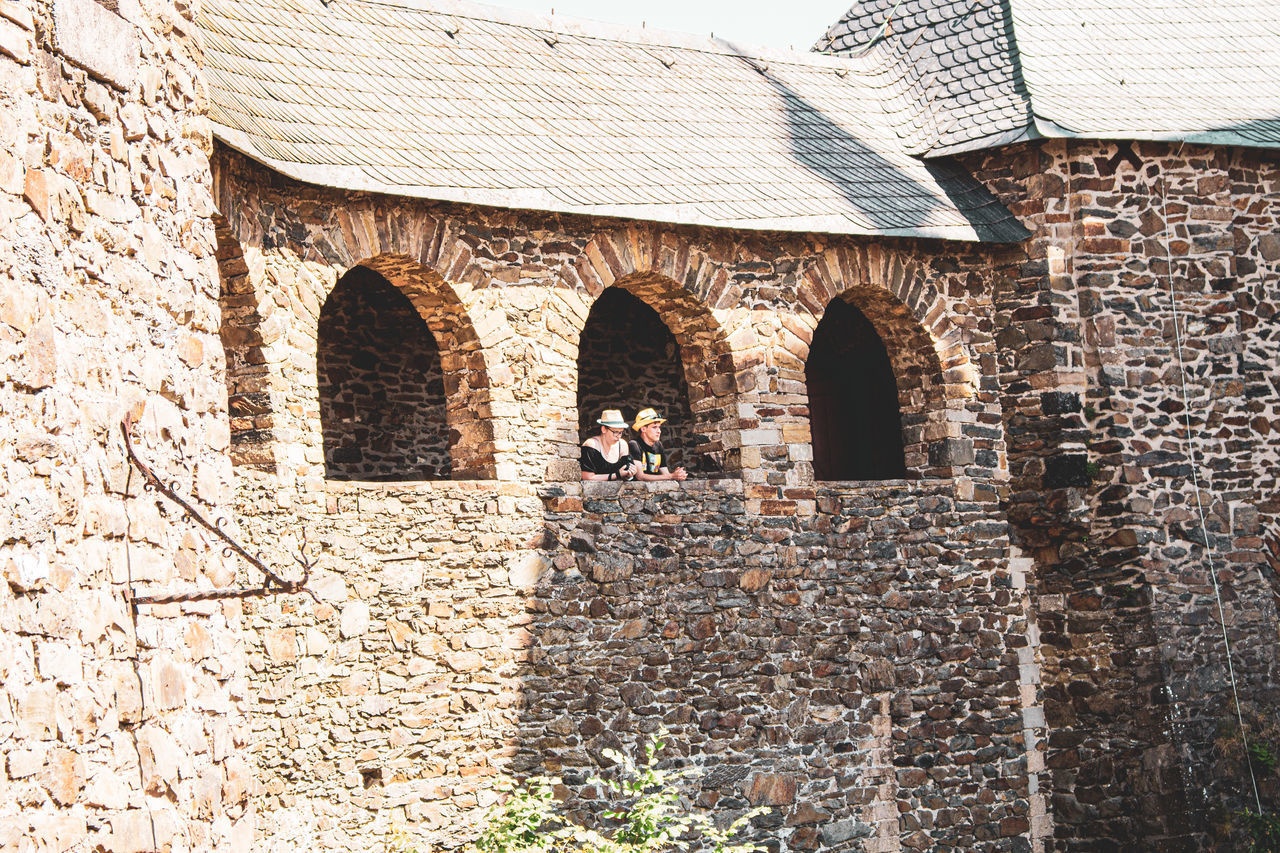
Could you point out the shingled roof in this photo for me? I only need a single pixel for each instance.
(963, 75)
(463, 102)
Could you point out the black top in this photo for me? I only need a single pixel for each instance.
(653, 457)
(593, 460)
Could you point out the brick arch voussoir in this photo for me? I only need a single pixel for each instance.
(908, 311)
(677, 281)
(706, 354)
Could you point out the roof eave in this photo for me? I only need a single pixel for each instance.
(1212, 136)
(992, 140)
(352, 179)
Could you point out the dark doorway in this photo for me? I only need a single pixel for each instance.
(628, 359)
(382, 401)
(853, 400)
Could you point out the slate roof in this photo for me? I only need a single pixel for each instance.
(457, 101)
(966, 75)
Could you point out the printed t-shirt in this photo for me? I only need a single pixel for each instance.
(653, 457)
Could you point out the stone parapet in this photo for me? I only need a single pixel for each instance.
(858, 666)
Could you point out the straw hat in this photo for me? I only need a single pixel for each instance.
(646, 417)
(612, 418)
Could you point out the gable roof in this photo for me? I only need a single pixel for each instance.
(456, 101)
(967, 75)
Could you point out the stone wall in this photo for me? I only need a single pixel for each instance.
(860, 668)
(120, 728)
(858, 656)
(1112, 462)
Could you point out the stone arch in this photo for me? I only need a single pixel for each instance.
(251, 399)
(934, 375)
(650, 265)
(380, 385)
(426, 258)
(463, 364)
(684, 371)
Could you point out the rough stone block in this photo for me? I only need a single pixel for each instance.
(951, 451)
(98, 40)
(15, 42)
(64, 776)
(771, 789)
(354, 621)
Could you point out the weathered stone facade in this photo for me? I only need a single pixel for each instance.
(1014, 647)
(746, 614)
(507, 295)
(120, 729)
(1121, 431)
(856, 668)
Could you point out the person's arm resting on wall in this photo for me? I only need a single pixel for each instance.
(596, 467)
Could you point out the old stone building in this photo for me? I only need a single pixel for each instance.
(1140, 363)
(971, 350)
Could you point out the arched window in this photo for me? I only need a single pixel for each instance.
(853, 400)
(628, 359)
(382, 395)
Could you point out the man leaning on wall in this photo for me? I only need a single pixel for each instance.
(647, 448)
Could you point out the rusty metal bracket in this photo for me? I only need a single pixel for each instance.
(272, 583)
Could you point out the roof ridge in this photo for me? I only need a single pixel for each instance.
(604, 30)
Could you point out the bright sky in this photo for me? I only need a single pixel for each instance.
(780, 23)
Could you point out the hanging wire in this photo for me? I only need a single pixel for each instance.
(1195, 479)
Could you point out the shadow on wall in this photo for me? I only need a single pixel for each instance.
(250, 407)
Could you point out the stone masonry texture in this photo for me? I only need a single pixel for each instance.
(858, 656)
(121, 729)
(1015, 646)
(1119, 439)
(487, 628)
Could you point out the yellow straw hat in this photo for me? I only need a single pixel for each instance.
(646, 417)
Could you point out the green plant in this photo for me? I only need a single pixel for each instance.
(647, 807)
(1263, 831)
(1257, 756)
(523, 822)
(1262, 757)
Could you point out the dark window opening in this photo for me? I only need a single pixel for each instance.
(853, 400)
(628, 359)
(382, 398)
